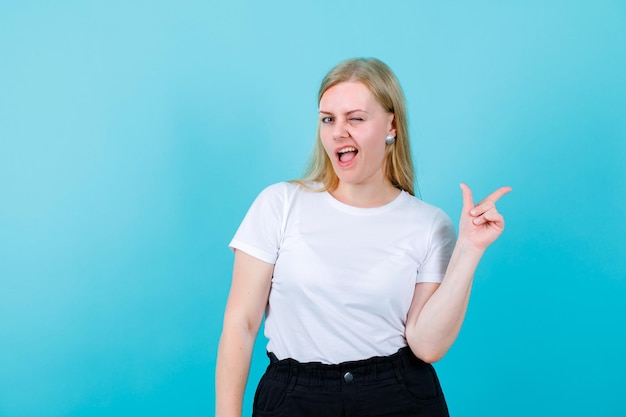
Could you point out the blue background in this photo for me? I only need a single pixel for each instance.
(134, 136)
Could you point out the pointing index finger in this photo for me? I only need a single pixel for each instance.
(496, 195)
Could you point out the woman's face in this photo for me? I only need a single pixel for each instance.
(353, 128)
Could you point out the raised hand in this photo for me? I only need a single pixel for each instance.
(481, 224)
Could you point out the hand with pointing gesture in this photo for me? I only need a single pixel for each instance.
(480, 223)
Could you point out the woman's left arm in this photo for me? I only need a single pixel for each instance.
(438, 310)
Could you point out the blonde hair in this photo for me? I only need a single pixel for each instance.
(385, 88)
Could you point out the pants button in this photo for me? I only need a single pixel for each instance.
(348, 377)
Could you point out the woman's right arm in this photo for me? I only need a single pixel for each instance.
(252, 279)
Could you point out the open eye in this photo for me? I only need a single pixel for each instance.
(327, 119)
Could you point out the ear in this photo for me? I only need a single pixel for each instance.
(392, 128)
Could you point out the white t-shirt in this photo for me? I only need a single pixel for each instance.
(344, 276)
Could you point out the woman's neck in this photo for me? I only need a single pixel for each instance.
(365, 195)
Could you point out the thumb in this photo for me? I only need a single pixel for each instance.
(468, 201)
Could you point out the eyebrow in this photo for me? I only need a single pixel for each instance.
(349, 112)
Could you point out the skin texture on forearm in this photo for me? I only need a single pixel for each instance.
(432, 329)
(232, 369)
(242, 319)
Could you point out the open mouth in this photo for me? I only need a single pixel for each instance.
(347, 154)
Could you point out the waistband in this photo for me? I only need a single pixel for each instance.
(367, 370)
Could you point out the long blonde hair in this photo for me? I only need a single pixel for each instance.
(385, 88)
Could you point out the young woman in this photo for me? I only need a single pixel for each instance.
(362, 284)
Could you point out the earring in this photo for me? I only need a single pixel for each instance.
(390, 139)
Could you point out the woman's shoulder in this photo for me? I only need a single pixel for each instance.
(291, 187)
(285, 191)
(426, 210)
(417, 203)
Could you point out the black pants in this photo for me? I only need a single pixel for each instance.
(396, 385)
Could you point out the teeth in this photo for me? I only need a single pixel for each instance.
(348, 149)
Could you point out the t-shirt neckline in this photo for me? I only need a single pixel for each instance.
(365, 210)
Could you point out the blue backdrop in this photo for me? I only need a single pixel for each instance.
(134, 135)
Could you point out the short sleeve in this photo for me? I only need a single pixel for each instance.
(442, 241)
(259, 234)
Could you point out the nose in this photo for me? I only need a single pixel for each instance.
(340, 130)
